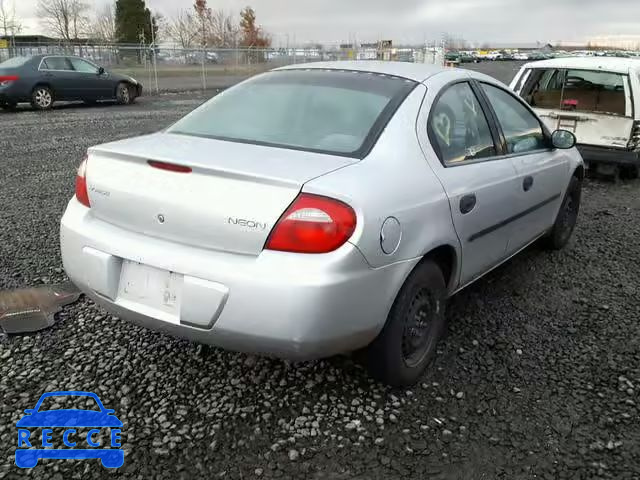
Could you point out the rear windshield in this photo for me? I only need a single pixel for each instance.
(14, 62)
(580, 90)
(337, 112)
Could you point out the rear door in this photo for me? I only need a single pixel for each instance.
(595, 105)
(58, 73)
(542, 171)
(481, 186)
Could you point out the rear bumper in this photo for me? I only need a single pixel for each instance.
(611, 156)
(14, 93)
(288, 305)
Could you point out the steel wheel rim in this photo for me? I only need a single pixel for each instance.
(43, 98)
(417, 333)
(570, 214)
(124, 94)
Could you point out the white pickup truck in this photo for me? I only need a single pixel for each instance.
(598, 99)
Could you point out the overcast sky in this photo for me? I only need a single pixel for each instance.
(412, 21)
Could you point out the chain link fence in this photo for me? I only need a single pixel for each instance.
(167, 68)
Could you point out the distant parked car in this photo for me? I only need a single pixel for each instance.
(195, 58)
(321, 208)
(520, 56)
(44, 79)
(596, 98)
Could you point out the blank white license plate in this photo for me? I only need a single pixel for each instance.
(150, 291)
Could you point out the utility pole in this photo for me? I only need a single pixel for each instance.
(153, 52)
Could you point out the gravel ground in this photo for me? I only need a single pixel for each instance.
(539, 376)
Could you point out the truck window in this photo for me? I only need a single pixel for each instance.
(578, 90)
(590, 91)
(544, 89)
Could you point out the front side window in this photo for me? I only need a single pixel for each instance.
(521, 128)
(83, 66)
(458, 127)
(327, 111)
(56, 63)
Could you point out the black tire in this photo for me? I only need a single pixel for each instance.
(567, 217)
(407, 344)
(124, 94)
(630, 172)
(42, 98)
(9, 107)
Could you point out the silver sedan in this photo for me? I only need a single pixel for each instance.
(321, 209)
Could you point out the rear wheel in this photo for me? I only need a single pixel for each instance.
(630, 172)
(9, 106)
(123, 94)
(407, 344)
(567, 217)
(42, 98)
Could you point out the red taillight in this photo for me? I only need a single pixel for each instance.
(81, 184)
(7, 79)
(171, 167)
(313, 224)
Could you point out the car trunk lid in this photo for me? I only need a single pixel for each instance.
(229, 201)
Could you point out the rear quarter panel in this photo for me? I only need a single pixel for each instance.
(394, 180)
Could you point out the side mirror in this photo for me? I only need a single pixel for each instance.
(100, 70)
(30, 411)
(109, 411)
(563, 139)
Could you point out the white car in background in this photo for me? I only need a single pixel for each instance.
(598, 99)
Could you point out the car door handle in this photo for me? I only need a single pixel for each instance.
(527, 183)
(467, 203)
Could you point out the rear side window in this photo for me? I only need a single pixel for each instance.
(55, 63)
(577, 90)
(521, 128)
(326, 111)
(458, 128)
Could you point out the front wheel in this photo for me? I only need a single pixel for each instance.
(123, 94)
(567, 217)
(407, 344)
(42, 98)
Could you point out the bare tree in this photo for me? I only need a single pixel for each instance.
(8, 21)
(223, 31)
(104, 25)
(182, 29)
(203, 18)
(65, 18)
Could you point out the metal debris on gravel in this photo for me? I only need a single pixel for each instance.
(33, 309)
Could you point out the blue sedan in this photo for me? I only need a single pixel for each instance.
(43, 80)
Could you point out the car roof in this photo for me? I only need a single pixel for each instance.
(73, 393)
(610, 64)
(418, 72)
